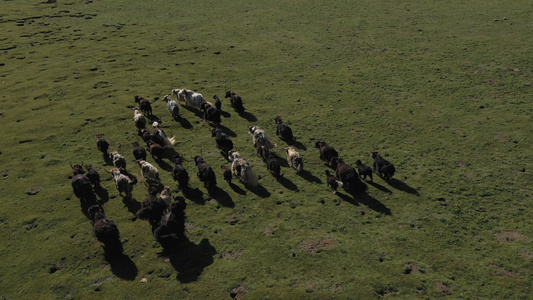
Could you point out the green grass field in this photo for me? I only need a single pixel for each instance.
(442, 89)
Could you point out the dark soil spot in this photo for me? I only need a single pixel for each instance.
(102, 84)
(386, 291)
(231, 254)
(442, 201)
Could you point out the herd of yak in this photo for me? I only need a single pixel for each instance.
(167, 217)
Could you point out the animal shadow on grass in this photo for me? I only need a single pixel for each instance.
(373, 204)
(195, 195)
(260, 191)
(222, 197)
(154, 118)
(282, 161)
(225, 114)
(227, 131)
(102, 194)
(237, 189)
(248, 116)
(107, 159)
(305, 174)
(164, 165)
(122, 266)
(225, 156)
(346, 198)
(132, 205)
(194, 110)
(288, 184)
(190, 259)
(299, 145)
(380, 187)
(170, 153)
(402, 186)
(183, 122)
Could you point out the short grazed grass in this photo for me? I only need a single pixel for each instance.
(441, 89)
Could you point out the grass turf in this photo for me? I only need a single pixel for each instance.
(442, 89)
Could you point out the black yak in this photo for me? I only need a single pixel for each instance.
(235, 101)
(179, 173)
(172, 228)
(205, 173)
(364, 170)
(382, 166)
(284, 131)
(327, 152)
(144, 105)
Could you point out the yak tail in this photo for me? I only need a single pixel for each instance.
(211, 184)
(171, 141)
(299, 165)
(251, 178)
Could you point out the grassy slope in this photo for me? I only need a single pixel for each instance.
(442, 90)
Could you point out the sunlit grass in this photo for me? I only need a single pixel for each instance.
(441, 89)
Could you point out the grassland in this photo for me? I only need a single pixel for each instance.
(443, 89)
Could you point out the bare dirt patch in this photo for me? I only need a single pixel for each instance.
(526, 254)
(501, 137)
(317, 245)
(310, 285)
(231, 254)
(520, 171)
(338, 288)
(238, 292)
(268, 231)
(511, 236)
(386, 291)
(411, 268)
(190, 227)
(444, 288)
(502, 272)
(34, 190)
(462, 164)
